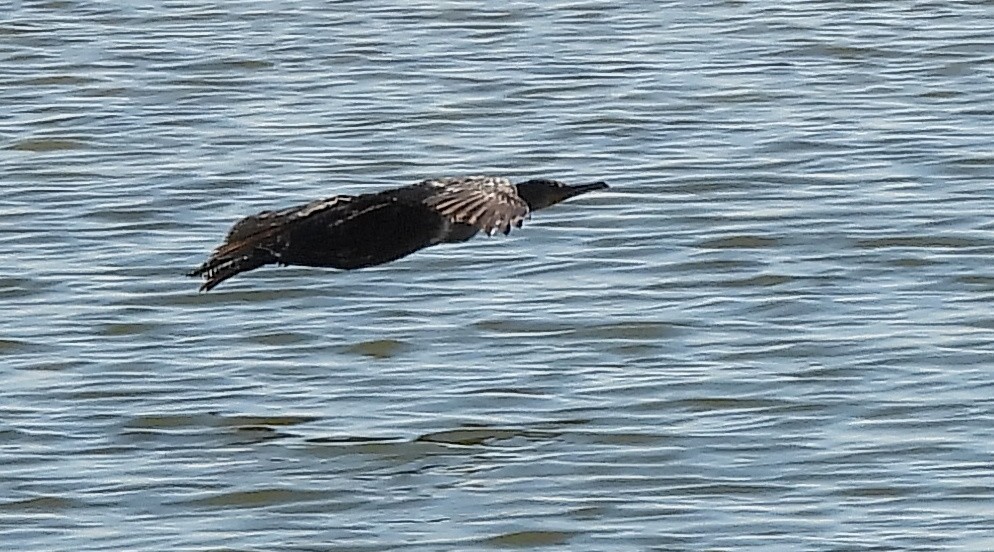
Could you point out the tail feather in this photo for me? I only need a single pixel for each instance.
(253, 242)
(221, 267)
(258, 240)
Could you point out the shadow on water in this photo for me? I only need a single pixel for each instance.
(208, 429)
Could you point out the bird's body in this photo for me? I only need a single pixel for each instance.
(349, 232)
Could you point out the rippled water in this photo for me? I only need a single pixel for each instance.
(773, 332)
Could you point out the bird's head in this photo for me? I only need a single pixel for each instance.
(540, 193)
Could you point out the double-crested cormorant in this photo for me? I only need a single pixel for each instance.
(349, 232)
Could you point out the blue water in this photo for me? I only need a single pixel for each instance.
(772, 333)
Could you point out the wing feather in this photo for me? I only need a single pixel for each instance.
(488, 203)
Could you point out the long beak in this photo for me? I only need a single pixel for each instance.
(573, 191)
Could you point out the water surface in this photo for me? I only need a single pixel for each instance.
(773, 332)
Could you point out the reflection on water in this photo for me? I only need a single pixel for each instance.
(772, 332)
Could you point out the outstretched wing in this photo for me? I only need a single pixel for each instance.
(258, 240)
(486, 202)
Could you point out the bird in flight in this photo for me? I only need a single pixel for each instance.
(349, 232)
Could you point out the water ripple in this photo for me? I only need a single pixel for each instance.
(772, 332)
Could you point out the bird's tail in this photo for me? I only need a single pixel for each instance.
(252, 242)
(219, 268)
(259, 240)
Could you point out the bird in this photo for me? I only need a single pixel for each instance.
(357, 231)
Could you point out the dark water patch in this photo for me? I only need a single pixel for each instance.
(222, 65)
(637, 353)
(40, 504)
(129, 329)
(48, 365)
(273, 497)
(351, 440)
(615, 437)
(709, 266)
(180, 421)
(210, 84)
(187, 438)
(9, 346)
(378, 348)
(981, 323)
(510, 391)
(985, 283)
(762, 280)
(825, 373)
(140, 219)
(255, 434)
(740, 242)
(281, 339)
(16, 288)
(913, 262)
(529, 539)
(471, 436)
(109, 92)
(634, 330)
(42, 145)
(711, 404)
(904, 242)
(728, 489)
(554, 425)
(396, 451)
(277, 421)
(879, 492)
(54, 80)
(730, 405)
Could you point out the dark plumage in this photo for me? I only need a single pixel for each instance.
(350, 232)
